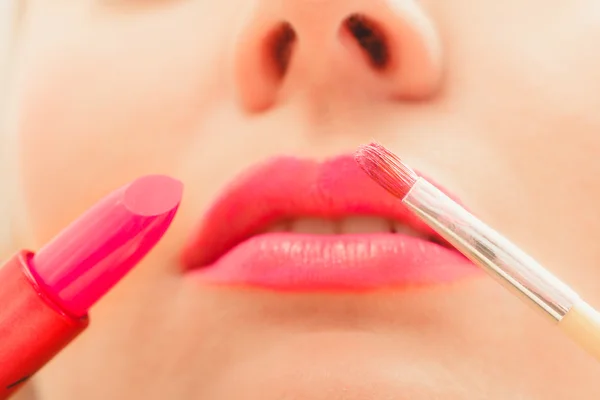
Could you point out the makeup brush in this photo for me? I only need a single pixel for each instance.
(512, 267)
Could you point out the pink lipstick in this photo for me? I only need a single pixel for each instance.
(45, 297)
(233, 244)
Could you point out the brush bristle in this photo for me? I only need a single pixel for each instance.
(385, 168)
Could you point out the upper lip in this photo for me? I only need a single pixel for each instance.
(287, 187)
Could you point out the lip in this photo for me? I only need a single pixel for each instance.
(225, 249)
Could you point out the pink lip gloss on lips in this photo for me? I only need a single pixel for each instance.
(234, 245)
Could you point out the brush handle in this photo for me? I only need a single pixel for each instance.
(504, 261)
(582, 325)
(487, 248)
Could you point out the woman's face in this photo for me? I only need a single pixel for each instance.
(495, 100)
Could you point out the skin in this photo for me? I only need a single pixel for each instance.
(495, 100)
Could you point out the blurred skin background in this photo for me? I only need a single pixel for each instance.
(6, 16)
(495, 100)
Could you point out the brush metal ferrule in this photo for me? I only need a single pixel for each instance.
(488, 249)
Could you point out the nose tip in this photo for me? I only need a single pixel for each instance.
(387, 49)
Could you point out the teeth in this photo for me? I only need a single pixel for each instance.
(364, 225)
(348, 225)
(281, 226)
(313, 225)
(398, 227)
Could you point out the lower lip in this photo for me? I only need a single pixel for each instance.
(306, 262)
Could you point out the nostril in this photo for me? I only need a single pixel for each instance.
(279, 48)
(371, 38)
(262, 57)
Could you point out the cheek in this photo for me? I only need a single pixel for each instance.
(93, 118)
(529, 93)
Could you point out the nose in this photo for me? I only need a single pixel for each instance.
(383, 49)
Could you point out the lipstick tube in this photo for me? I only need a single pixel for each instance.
(45, 297)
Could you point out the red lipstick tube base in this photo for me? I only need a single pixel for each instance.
(33, 328)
